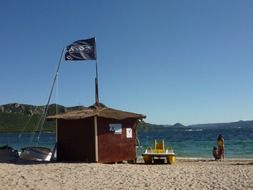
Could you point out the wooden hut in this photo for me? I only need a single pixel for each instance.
(96, 134)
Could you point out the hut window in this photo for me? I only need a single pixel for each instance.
(115, 128)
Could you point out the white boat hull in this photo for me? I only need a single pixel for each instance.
(36, 154)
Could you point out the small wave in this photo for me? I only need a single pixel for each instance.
(194, 130)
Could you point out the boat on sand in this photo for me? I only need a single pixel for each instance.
(36, 153)
(159, 154)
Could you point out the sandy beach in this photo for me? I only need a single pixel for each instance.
(185, 174)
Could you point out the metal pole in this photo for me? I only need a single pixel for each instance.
(96, 79)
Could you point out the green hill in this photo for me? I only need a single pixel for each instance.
(22, 117)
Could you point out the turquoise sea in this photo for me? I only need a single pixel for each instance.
(193, 142)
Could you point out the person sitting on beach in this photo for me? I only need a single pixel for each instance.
(215, 153)
(220, 143)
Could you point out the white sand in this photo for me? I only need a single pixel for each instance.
(185, 174)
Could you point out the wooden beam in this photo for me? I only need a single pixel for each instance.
(96, 138)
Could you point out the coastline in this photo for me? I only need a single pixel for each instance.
(182, 158)
(212, 159)
(187, 173)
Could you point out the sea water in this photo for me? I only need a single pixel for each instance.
(199, 142)
(18, 141)
(186, 142)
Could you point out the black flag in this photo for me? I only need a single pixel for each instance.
(81, 50)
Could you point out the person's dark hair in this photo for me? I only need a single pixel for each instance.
(219, 137)
(214, 148)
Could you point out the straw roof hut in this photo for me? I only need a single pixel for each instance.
(96, 134)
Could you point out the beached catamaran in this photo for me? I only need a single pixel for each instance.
(38, 153)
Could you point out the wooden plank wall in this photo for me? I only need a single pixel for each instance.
(116, 147)
(75, 140)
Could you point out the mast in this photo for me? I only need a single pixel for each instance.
(96, 89)
(96, 79)
(44, 114)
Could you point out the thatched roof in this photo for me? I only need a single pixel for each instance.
(99, 111)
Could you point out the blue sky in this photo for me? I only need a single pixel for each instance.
(174, 61)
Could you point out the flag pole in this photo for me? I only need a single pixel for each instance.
(96, 104)
(96, 79)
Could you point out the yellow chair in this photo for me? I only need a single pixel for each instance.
(159, 146)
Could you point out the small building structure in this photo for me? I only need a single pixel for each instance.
(96, 134)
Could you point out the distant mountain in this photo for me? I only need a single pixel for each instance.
(178, 125)
(152, 127)
(225, 125)
(17, 117)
